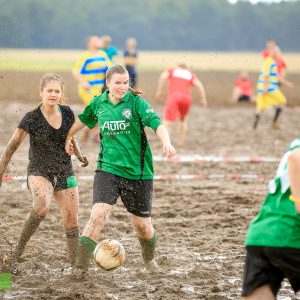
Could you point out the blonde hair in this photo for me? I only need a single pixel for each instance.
(118, 69)
(47, 78)
(106, 38)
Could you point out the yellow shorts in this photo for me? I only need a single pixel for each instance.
(87, 96)
(264, 101)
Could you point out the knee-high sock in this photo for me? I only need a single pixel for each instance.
(72, 242)
(32, 222)
(86, 247)
(256, 120)
(277, 114)
(148, 248)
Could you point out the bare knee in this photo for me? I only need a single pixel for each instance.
(41, 201)
(99, 217)
(41, 208)
(144, 229)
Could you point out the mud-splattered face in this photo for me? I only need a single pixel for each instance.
(51, 93)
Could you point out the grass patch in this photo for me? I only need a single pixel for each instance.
(63, 60)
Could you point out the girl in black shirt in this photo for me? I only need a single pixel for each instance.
(50, 171)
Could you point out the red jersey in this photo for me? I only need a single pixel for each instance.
(281, 65)
(245, 85)
(280, 62)
(180, 81)
(265, 53)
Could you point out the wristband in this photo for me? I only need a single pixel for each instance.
(294, 199)
(69, 137)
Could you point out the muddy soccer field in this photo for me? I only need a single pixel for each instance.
(201, 223)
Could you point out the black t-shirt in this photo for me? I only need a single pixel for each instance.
(47, 144)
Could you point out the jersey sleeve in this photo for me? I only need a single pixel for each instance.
(69, 114)
(115, 51)
(78, 65)
(147, 114)
(25, 123)
(108, 61)
(89, 116)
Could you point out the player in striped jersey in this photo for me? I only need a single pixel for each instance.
(89, 71)
(268, 93)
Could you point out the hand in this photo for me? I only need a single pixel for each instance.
(289, 84)
(169, 150)
(83, 159)
(86, 85)
(69, 148)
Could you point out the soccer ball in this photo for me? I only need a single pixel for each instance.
(109, 254)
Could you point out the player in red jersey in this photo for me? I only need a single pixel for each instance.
(243, 89)
(282, 68)
(180, 82)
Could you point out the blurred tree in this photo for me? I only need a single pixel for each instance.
(157, 24)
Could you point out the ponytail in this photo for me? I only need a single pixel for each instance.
(135, 92)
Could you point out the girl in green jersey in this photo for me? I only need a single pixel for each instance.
(125, 166)
(273, 237)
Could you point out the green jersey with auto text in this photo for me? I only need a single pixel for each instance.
(278, 222)
(124, 149)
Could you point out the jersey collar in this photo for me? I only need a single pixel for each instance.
(104, 97)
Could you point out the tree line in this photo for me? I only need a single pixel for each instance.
(199, 25)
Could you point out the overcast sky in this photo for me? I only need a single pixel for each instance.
(255, 1)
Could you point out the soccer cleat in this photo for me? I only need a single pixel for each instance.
(78, 273)
(275, 126)
(152, 266)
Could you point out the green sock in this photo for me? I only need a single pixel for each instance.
(72, 242)
(86, 247)
(32, 222)
(148, 248)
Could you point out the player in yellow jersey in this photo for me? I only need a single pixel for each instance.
(268, 93)
(89, 71)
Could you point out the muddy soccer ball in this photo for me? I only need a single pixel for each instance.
(109, 254)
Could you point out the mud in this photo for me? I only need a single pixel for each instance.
(23, 86)
(201, 224)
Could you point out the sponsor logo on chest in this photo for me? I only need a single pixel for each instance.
(115, 125)
(118, 126)
(126, 113)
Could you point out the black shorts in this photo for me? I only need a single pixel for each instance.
(270, 265)
(135, 194)
(244, 98)
(60, 181)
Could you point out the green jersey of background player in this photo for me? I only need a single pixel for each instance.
(273, 238)
(124, 164)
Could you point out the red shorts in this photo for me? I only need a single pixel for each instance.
(177, 107)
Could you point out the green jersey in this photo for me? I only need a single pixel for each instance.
(124, 149)
(278, 222)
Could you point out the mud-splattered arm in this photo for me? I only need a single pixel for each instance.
(78, 153)
(15, 141)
